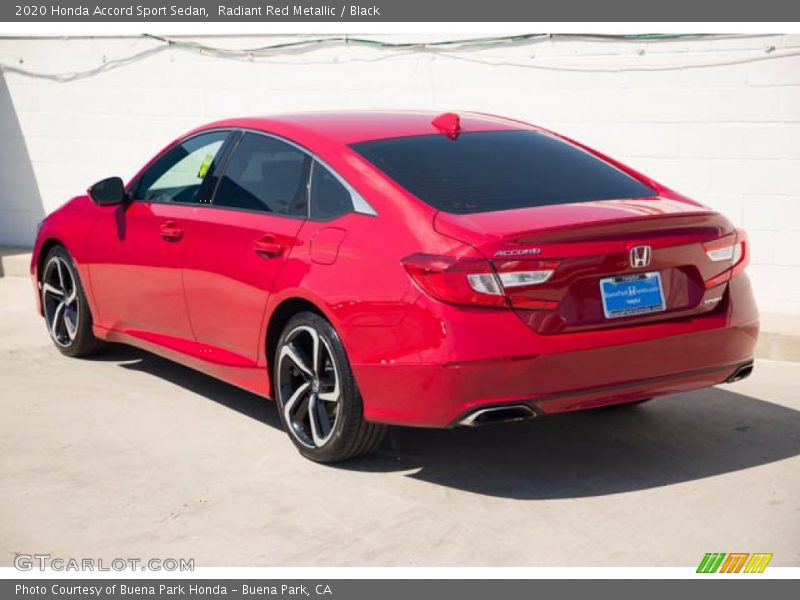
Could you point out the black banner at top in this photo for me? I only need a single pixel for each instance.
(145, 11)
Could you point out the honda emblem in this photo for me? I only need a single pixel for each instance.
(640, 256)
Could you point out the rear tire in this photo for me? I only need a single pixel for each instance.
(318, 400)
(66, 311)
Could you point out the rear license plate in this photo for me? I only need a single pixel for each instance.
(627, 295)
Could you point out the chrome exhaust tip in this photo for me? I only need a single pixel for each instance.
(741, 372)
(498, 414)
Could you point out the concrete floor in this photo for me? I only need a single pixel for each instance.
(129, 455)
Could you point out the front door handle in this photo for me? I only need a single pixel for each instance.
(267, 247)
(171, 232)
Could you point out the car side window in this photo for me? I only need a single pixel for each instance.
(177, 176)
(329, 197)
(265, 175)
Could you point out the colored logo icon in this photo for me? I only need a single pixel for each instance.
(735, 562)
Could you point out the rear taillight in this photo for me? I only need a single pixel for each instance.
(522, 273)
(456, 281)
(732, 251)
(721, 249)
(475, 281)
(741, 253)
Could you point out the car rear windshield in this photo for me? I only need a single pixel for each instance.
(498, 170)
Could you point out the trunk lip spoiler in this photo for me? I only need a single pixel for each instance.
(448, 223)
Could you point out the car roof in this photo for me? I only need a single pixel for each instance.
(348, 127)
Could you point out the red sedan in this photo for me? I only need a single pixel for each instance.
(365, 269)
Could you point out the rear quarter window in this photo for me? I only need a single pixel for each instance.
(498, 170)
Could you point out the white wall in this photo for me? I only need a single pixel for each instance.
(726, 135)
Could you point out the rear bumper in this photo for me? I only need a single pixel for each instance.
(570, 372)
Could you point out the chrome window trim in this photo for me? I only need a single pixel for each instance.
(360, 205)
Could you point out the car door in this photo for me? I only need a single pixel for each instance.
(236, 247)
(138, 248)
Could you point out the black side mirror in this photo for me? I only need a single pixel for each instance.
(108, 192)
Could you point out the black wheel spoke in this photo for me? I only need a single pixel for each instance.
(298, 359)
(301, 412)
(318, 419)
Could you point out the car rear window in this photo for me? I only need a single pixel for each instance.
(498, 170)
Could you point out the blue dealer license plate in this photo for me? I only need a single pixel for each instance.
(627, 295)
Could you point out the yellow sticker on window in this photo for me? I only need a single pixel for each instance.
(204, 167)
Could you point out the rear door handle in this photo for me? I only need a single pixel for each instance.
(267, 247)
(171, 232)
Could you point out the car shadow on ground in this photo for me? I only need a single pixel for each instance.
(230, 396)
(593, 453)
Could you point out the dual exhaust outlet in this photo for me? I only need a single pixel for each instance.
(741, 372)
(498, 414)
(523, 412)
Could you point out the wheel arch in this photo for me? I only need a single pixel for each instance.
(278, 319)
(44, 249)
(47, 245)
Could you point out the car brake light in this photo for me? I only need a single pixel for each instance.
(456, 281)
(741, 254)
(449, 124)
(474, 281)
(732, 249)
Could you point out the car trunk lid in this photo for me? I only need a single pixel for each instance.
(587, 243)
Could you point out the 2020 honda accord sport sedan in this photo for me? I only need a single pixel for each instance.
(374, 268)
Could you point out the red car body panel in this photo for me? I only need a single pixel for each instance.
(192, 283)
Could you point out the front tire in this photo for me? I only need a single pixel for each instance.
(318, 400)
(66, 311)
